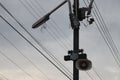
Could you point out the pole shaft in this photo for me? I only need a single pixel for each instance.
(75, 42)
(76, 48)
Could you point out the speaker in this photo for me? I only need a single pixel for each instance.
(83, 64)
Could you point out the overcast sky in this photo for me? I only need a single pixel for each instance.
(20, 61)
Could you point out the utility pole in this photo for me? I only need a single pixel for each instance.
(80, 61)
(76, 40)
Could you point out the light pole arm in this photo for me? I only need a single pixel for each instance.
(46, 17)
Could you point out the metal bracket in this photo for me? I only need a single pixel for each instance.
(74, 21)
(72, 55)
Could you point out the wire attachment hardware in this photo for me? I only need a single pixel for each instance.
(85, 12)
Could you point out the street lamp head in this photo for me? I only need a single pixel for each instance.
(41, 21)
(46, 17)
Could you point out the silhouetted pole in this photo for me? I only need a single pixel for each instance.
(80, 61)
(75, 41)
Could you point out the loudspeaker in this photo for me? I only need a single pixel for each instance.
(83, 64)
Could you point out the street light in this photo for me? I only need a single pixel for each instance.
(46, 17)
(41, 21)
(80, 61)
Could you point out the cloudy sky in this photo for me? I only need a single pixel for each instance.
(19, 60)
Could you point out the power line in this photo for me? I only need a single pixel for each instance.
(89, 75)
(24, 56)
(58, 41)
(35, 47)
(32, 8)
(27, 9)
(16, 64)
(98, 74)
(106, 36)
(60, 31)
(110, 40)
(4, 77)
(106, 29)
(39, 10)
(55, 59)
(106, 43)
(38, 43)
(49, 53)
(50, 33)
(24, 28)
(106, 40)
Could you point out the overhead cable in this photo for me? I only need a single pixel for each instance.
(3, 54)
(35, 47)
(106, 35)
(19, 23)
(24, 56)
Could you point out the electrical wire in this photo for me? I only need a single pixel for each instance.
(25, 29)
(89, 75)
(50, 32)
(112, 48)
(41, 8)
(64, 46)
(24, 56)
(31, 7)
(16, 64)
(57, 61)
(57, 29)
(4, 77)
(27, 9)
(106, 29)
(110, 40)
(115, 57)
(106, 36)
(102, 20)
(35, 48)
(53, 36)
(98, 74)
(93, 67)
(48, 52)
(36, 17)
